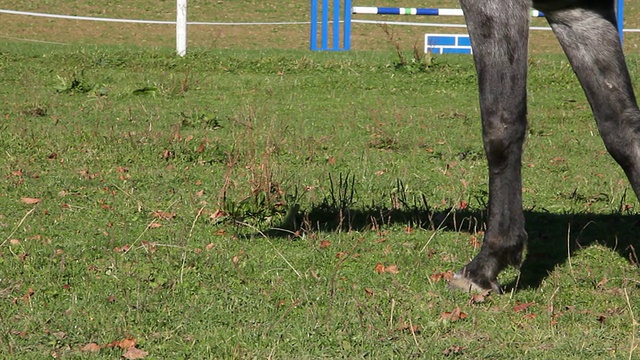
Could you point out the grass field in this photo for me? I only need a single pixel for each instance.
(262, 201)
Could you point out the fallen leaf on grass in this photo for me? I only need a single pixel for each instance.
(164, 215)
(391, 269)
(30, 200)
(601, 284)
(235, 260)
(325, 244)
(369, 291)
(122, 249)
(475, 243)
(447, 276)
(18, 333)
(217, 215)
(409, 327)
(379, 268)
(90, 347)
(314, 274)
(149, 246)
(454, 315)
(123, 344)
(26, 297)
(522, 307)
(479, 297)
(454, 350)
(135, 353)
(201, 147)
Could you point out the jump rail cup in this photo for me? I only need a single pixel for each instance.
(370, 10)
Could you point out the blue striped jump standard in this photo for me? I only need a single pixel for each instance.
(338, 12)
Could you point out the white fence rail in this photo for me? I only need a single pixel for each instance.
(181, 23)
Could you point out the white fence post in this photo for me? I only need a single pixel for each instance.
(181, 27)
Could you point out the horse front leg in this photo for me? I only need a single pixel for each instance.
(499, 34)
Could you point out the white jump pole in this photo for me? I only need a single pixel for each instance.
(181, 28)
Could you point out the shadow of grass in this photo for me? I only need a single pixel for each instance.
(552, 237)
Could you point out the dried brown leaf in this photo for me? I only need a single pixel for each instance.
(123, 344)
(164, 215)
(379, 268)
(601, 284)
(475, 243)
(127, 343)
(446, 276)
(522, 307)
(135, 353)
(30, 200)
(369, 291)
(391, 269)
(315, 275)
(454, 315)
(325, 244)
(478, 298)
(217, 214)
(201, 148)
(91, 347)
(454, 350)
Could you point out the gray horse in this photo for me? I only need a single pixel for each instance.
(499, 32)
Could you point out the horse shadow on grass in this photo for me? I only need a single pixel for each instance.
(552, 237)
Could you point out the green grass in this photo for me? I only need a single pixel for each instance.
(236, 204)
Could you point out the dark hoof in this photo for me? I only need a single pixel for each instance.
(463, 283)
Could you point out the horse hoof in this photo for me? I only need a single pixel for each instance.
(463, 283)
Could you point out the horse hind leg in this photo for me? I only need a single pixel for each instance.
(590, 39)
(499, 34)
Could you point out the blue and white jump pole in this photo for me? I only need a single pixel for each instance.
(370, 10)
